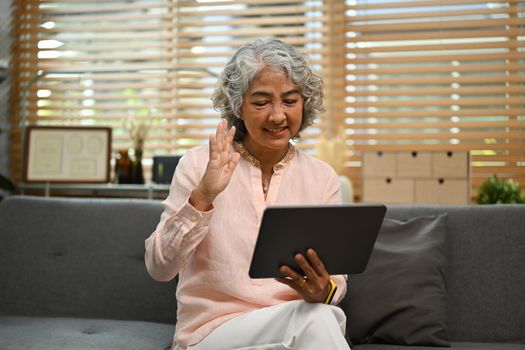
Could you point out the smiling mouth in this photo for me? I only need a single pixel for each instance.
(275, 130)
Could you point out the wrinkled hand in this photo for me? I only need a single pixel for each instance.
(315, 286)
(219, 169)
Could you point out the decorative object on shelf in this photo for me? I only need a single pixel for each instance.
(123, 165)
(137, 173)
(500, 191)
(138, 131)
(74, 154)
(164, 168)
(332, 151)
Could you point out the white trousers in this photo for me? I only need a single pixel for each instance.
(292, 325)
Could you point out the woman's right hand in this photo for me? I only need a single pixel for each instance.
(219, 169)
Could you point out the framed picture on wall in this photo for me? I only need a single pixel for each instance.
(67, 154)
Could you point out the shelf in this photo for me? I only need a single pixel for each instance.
(149, 191)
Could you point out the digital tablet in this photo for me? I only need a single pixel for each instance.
(342, 235)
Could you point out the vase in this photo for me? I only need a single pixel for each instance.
(123, 166)
(137, 174)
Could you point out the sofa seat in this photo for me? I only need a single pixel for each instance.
(42, 333)
(453, 346)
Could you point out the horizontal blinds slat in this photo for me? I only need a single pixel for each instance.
(451, 57)
(466, 68)
(234, 42)
(458, 12)
(518, 170)
(98, 68)
(272, 20)
(436, 102)
(392, 147)
(256, 32)
(155, 59)
(436, 35)
(432, 3)
(47, 9)
(435, 91)
(496, 158)
(436, 25)
(235, 10)
(471, 112)
(125, 27)
(115, 96)
(430, 80)
(123, 73)
(76, 88)
(471, 135)
(437, 46)
(212, 4)
(81, 18)
(491, 124)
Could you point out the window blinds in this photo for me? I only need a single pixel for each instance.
(399, 75)
(437, 75)
(153, 62)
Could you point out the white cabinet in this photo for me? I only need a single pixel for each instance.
(416, 177)
(450, 164)
(391, 190)
(379, 164)
(414, 164)
(441, 191)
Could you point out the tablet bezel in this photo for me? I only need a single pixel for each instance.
(342, 235)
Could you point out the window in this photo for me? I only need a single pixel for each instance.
(437, 75)
(399, 75)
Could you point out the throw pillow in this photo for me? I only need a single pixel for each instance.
(401, 297)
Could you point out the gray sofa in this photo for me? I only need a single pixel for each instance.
(72, 276)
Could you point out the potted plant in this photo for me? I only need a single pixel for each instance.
(499, 191)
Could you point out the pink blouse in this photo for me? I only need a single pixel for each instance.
(211, 251)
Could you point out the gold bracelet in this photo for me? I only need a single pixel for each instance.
(333, 288)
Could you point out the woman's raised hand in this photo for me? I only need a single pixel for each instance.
(219, 169)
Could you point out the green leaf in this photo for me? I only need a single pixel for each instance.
(499, 191)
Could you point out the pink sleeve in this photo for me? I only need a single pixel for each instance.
(340, 293)
(181, 227)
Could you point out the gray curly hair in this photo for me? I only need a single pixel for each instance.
(252, 58)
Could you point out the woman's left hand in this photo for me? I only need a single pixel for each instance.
(315, 285)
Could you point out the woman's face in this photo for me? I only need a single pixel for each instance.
(272, 111)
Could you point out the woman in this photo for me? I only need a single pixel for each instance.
(268, 94)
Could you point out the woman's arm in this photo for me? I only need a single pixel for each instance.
(181, 228)
(189, 206)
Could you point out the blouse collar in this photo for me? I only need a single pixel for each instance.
(239, 147)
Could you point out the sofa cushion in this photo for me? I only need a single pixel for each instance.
(22, 333)
(80, 258)
(485, 265)
(401, 297)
